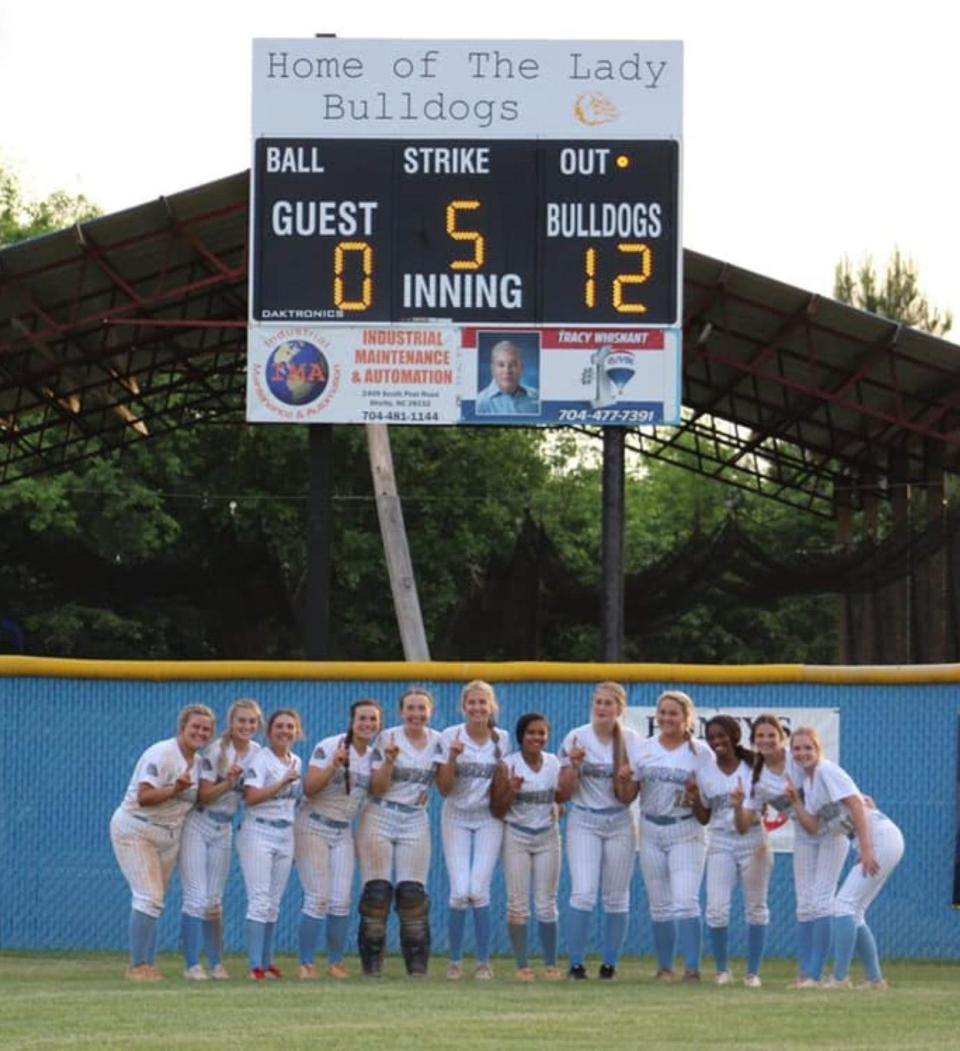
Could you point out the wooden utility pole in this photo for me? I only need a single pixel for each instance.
(613, 519)
(395, 547)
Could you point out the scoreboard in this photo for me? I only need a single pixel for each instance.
(517, 232)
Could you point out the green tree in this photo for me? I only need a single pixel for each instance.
(895, 294)
(21, 218)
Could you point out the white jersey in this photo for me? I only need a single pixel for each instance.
(771, 791)
(414, 767)
(663, 773)
(160, 766)
(534, 806)
(823, 797)
(215, 760)
(476, 765)
(332, 800)
(267, 768)
(595, 788)
(715, 788)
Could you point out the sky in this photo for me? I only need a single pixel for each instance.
(811, 131)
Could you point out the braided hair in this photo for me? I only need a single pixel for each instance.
(347, 739)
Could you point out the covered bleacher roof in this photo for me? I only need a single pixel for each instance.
(133, 324)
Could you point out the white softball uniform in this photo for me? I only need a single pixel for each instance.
(265, 839)
(466, 821)
(393, 835)
(323, 836)
(531, 840)
(673, 845)
(823, 797)
(817, 860)
(730, 856)
(146, 839)
(601, 837)
(208, 834)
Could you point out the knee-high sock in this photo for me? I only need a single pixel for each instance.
(308, 937)
(804, 946)
(819, 946)
(614, 928)
(191, 933)
(689, 941)
(256, 936)
(456, 922)
(548, 941)
(579, 926)
(756, 943)
(481, 930)
(336, 937)
(718, 943)
(213, 939)
(665, 943)
(143, 936)
(866, 950)
(518, 940)
(844, 936)
(271, 928)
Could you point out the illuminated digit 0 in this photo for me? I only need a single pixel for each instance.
(646, 268)
(479, 241)
(590, 287)
(339, 265)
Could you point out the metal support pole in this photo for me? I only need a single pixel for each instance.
(396, 550)
(317, 626)
(613, 529)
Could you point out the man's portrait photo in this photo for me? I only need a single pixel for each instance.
(508, 374)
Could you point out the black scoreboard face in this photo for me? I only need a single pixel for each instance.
(511, 232)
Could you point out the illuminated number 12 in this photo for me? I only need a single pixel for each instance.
(645, 269)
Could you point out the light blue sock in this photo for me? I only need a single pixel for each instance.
(577, 938)
(152, 942)
(270, 928)
(718, 943)
(866, 950)
(308, 937)
(548, 941)
(689, 941)
(804, 946)
(665, 943)
(756, 943)
(518, 942)
(143, 935)
(481, 930)
(256, 935)
(456, 922)
(336, 937)
(614, 928)
(844, 936)
(191, 933)
(819, 946)
(213, 940)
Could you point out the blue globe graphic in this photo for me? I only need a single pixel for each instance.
(297, 372)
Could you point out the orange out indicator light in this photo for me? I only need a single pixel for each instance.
(623, 161)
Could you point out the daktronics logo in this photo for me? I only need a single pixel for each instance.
(593, 108)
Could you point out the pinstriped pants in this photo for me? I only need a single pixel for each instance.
(393, 846)
(532, 860)
(672, 858)
(147, 855)
(325, 864)
(205, 849)
(601, 853)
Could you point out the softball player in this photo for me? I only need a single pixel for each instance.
(271, 789)
(673, 845)
(145, 829)
(208, 837)
(393, 836)
(525, 795)
(601, 837)
(831, 806)
(817, 860)
(467, 756)
(338, 780)
(730, 855)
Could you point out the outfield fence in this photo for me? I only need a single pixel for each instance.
(74, 730)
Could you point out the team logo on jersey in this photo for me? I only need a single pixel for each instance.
(152, 770)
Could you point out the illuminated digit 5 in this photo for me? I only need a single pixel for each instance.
(479, 242)
(590, 287)
(646, 268)
(339, 265)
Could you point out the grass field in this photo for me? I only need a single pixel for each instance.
(78, 1001)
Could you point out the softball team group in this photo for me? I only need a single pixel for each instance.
(364, 796)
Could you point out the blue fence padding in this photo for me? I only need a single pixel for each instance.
(70, 746)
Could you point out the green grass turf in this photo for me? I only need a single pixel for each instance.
(74, 1001)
